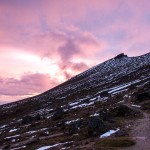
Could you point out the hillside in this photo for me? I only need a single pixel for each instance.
(111, 96)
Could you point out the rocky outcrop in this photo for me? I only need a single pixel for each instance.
(120, 56)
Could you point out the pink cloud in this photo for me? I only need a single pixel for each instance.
(29, 84)
(44, 31)
(71, 69)
(72, 35)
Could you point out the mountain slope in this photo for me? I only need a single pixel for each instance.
(59, 112)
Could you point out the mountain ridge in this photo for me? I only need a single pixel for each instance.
(77, 105)
(79, 75)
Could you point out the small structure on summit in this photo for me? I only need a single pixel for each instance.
(120, 56)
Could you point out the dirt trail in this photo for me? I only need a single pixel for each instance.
(140, 131)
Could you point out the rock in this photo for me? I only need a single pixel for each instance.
(143, 96)
(105, 116)
(104, 94)
(29, 119)
(120, 56)
(58, 114)
(62, 124)
(74, 127)
(37, 117)
(123, 111)
(96, 126)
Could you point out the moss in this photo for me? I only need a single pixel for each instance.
(115, 142)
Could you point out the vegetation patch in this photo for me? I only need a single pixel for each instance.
(115, 142)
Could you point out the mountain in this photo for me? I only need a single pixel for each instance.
(76, 113)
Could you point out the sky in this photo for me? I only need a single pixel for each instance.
(45, 42)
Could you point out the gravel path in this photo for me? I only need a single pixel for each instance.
(140, 131)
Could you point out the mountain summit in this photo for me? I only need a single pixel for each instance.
(84, 111)
(121, 56)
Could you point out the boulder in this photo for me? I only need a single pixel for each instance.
(28, 119)
(105, 115)
(58, 114)
(125, 111)
(143, 96)
(37, 117)
(62, 124)
(74, 127)
(104, 94)
(96, 126)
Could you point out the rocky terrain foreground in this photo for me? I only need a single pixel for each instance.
(104, 108)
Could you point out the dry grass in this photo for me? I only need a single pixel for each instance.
(115, 142)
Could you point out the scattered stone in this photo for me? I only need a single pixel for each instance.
(29, 119)
(62, 124)
(74, 127)
(105, 115)
(104, 94)
(143, 96)
(124, 111)
(58, 114)
(96, 126)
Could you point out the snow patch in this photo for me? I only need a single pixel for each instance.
(72, 104)
(110, 132)
(9, 137)
(96, 114)
(51, 146)
(83, 105)
(65, 148)
(13, 130)
(31, 132)
(3, 126)
(136, 106)
(68, 122)
(13, 140)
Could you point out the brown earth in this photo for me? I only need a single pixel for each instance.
(140, 132)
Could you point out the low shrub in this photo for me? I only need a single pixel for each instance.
(115, 142)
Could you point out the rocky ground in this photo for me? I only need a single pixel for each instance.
(82, 128)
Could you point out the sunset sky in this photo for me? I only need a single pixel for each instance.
(45, 42)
